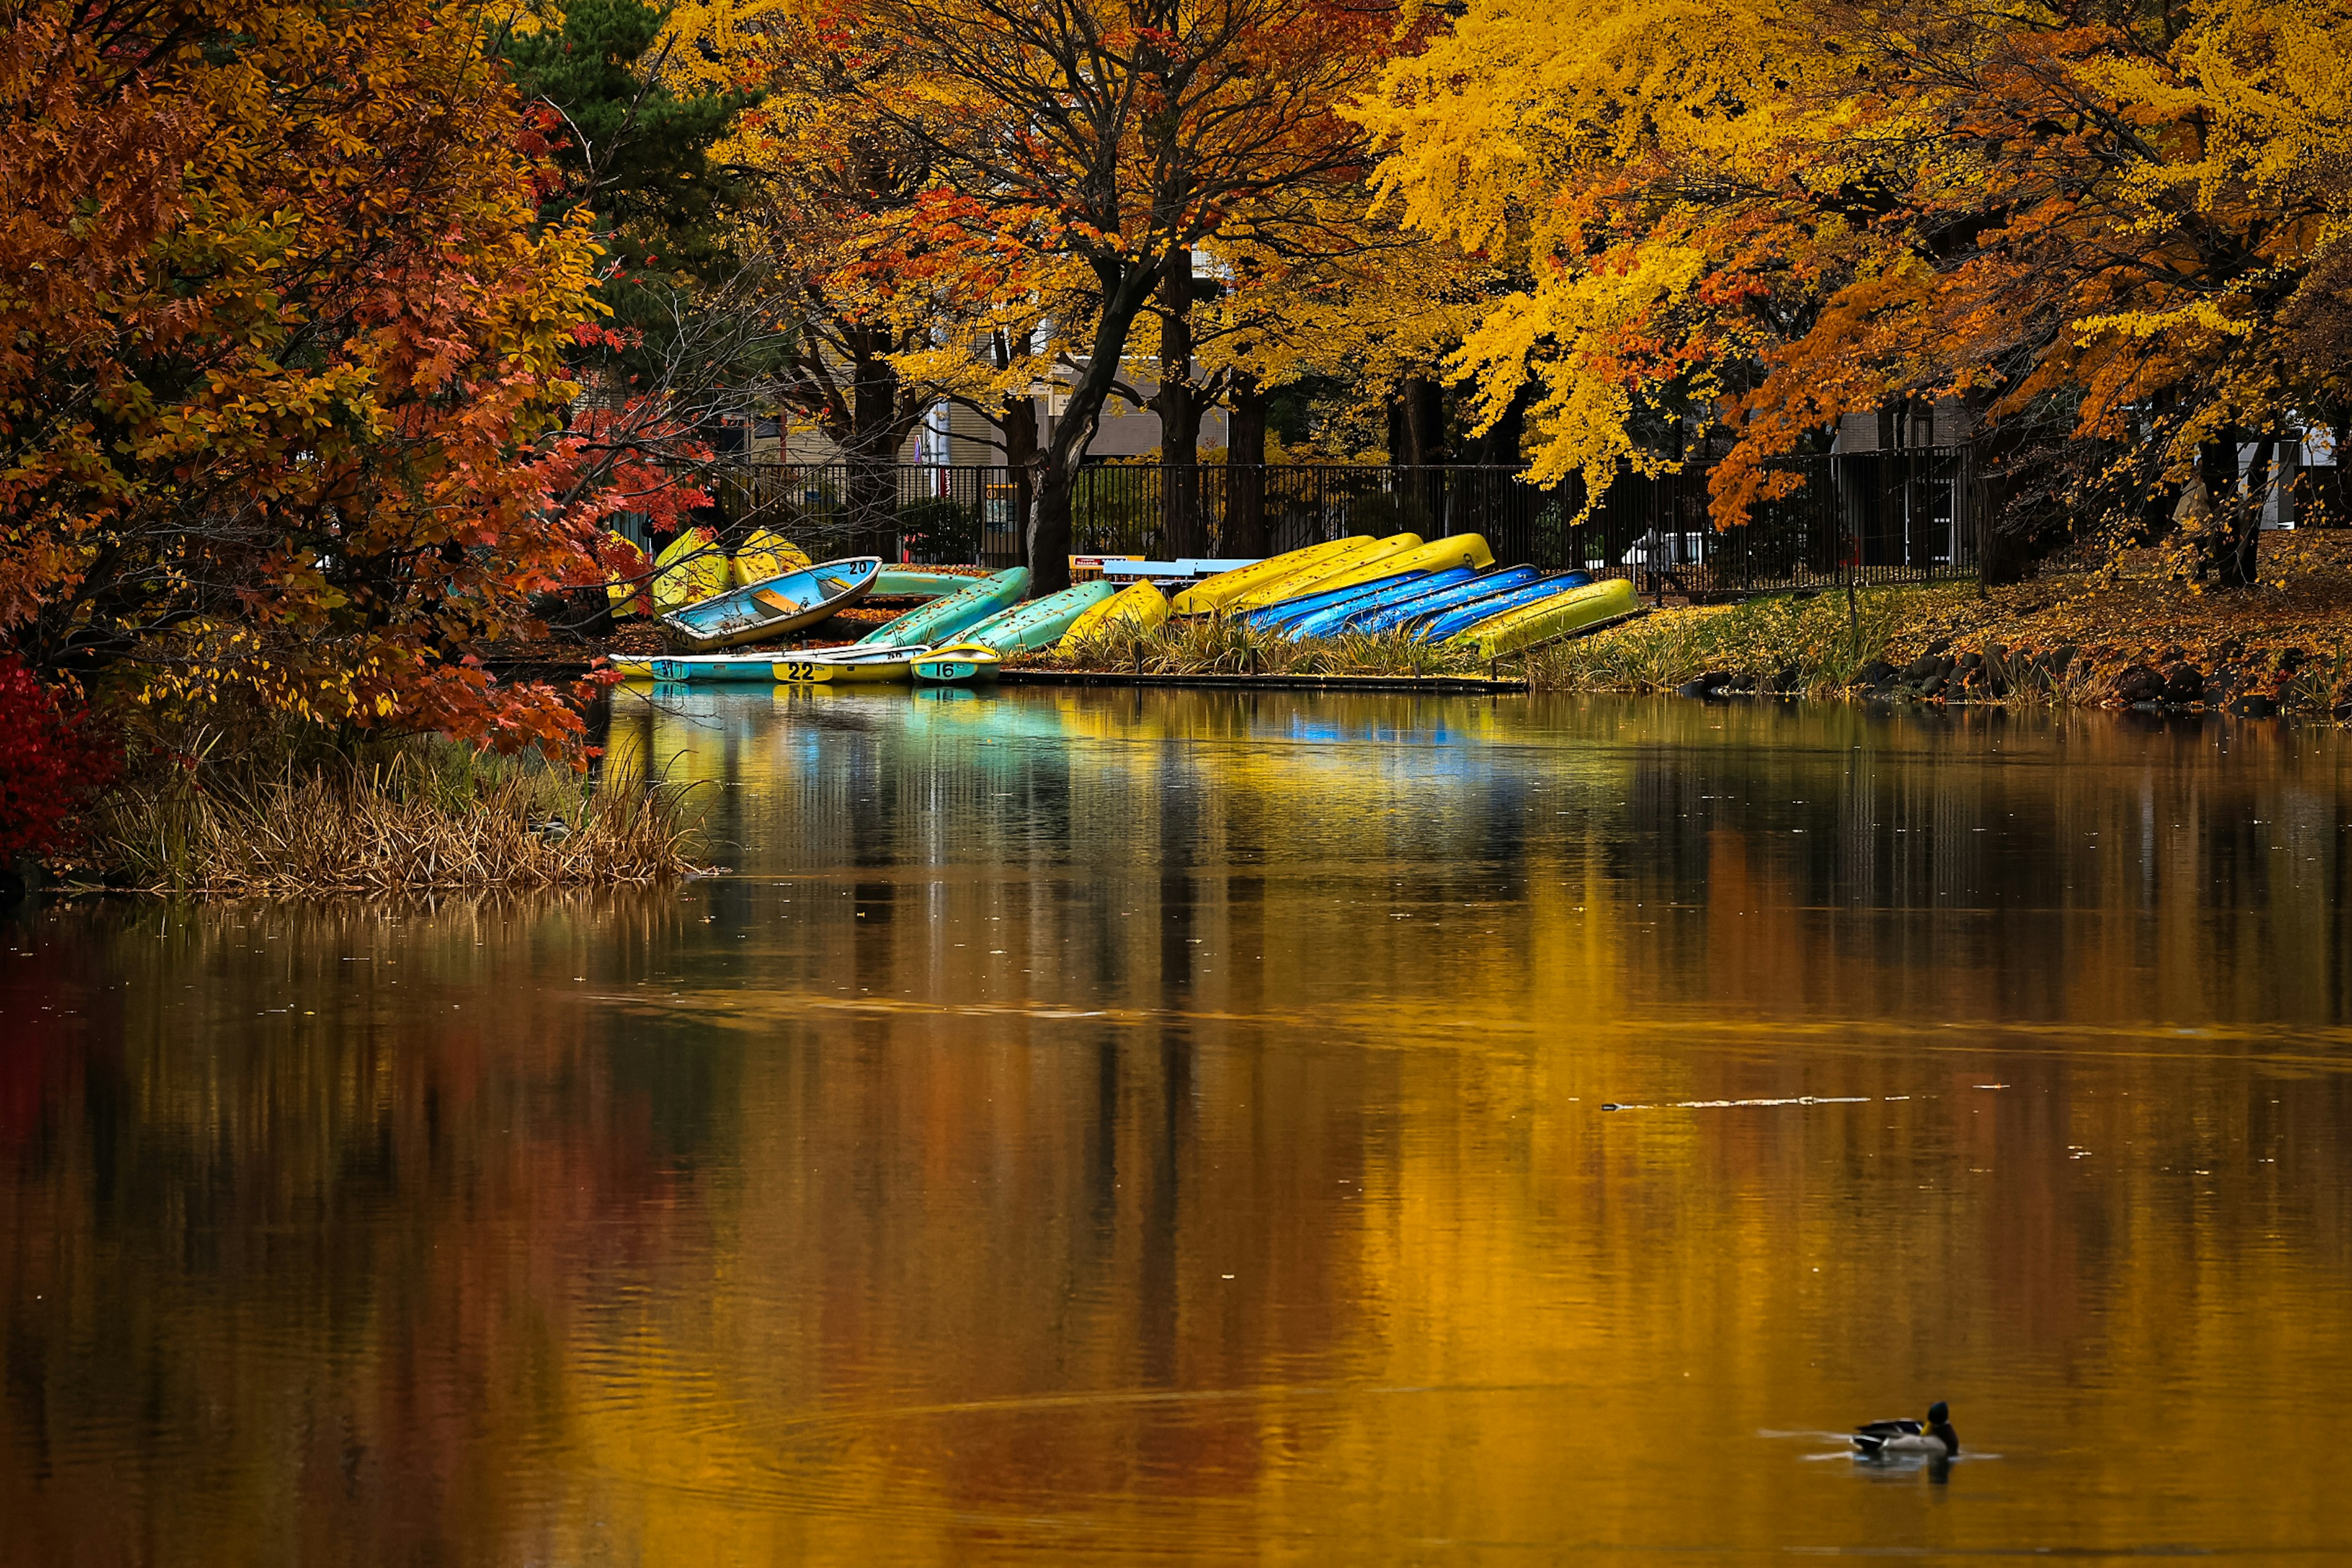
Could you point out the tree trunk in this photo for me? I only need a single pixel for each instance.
(1179, 406)
(1417, 421)
(1126, 288)
(1020, 423)
(2241, 520)
(879, 422)
(1245, 532)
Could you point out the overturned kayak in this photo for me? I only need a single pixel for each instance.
(1218, 592)
(1457, 550)
(921, 583)
(1434, 601)
(1346, 616)
(1140, 604)
(1038, 622)
(1516, 630)
(1290, 610)
(965, 664)
(1461, 617)
(941, 620)
(1316, 577)
(766, 554)
(691, 569)
(773, 607)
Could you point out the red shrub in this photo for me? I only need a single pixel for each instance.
(51, 764)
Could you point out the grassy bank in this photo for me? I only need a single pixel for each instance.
(423, 816)
(2061, 638)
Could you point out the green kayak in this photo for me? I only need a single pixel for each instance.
(1038, 622)
(942, 619)
(921, 583)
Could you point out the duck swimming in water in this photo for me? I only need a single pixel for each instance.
(1934, 1440)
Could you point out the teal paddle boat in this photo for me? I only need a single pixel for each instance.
(942, 620)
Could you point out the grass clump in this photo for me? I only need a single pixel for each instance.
(1784, 642)
(431, 816)
(1227, 645)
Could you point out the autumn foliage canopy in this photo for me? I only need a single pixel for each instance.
(283, 375)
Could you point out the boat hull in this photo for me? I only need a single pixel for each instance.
(1461, 617)
(942, 620)
(1038, 622)
(1529, 625)
(1298, 585)
(1141, 605)
(772, 606)
(1455, 550)
(963, 665)
(1218, 592)
(1437, 600)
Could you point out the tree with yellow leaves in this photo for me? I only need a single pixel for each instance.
(2097, 225)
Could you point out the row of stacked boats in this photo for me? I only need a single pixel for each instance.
(1446, 590)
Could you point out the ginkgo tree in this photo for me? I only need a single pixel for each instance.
(2092, 225)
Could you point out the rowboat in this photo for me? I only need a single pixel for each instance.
(938, 622)
(1432, 601)
(1040, 620)
(700, 668)
(1514, 631)
(773, 607)
(1323, 574)
(691, 569)
(766, 554)
(854, 664)
(965, 664)
(1141, 605)
(1218, 592)
(1437, 555)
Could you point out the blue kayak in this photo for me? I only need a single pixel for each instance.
(1288, 610)
(1398, 613)
(1350, 613)
(1467, 615)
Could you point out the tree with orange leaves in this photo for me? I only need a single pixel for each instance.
(1095, 144)
(284, 389)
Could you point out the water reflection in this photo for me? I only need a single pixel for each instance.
(1170, 1124)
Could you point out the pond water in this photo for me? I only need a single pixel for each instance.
(1174, 1125)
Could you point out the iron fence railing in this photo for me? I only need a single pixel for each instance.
(1904, 515)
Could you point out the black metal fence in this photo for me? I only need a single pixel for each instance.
(1893, 516)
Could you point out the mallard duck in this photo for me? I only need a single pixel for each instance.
(1934, 1440)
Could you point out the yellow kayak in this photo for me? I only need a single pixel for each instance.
(1141, 603)
(764, 555)
(1514, 631)
(1216, 592)
(628, 594)
(691, 569)
(1316, 578)
(1437, 555)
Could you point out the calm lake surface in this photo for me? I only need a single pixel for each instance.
(1099, 1126)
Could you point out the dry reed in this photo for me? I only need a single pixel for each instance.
(429, 819)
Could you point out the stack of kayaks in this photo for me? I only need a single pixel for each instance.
(1525, 625)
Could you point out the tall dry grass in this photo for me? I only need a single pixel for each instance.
(1785, 642)
(1223, 644)
(431, 817)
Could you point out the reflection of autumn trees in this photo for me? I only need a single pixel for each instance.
(886, 1192)
(259, 1191)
